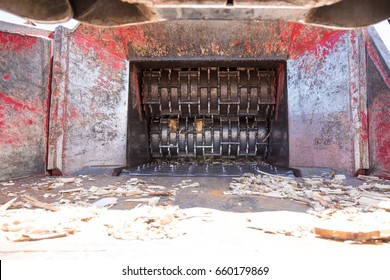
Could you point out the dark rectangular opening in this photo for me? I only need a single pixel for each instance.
(207, 111)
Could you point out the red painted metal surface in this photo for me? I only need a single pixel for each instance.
(187, 38)
(24, 95)
(91, 76)
(314, 50)
(378, 112)
(88, 106)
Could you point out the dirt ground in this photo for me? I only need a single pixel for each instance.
(203, 223)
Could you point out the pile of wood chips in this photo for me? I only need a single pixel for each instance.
(317, 192)
(355, 214)
(38, 224)
(146, 222)
(20, 220)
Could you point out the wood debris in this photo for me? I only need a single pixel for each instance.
(147, 223)
(347, 235)
(71, 190)
(132, 188)
(374, 202)
(354, 225)
(368, 178)
(6, 184)
(153, 201)
(65, 180)
(36, 203)
(186, 184)
(8, 204)
(354, 214)
(106, 202)
(319, 193)
(38, 224)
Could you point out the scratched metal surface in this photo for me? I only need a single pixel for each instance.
(319, 78)
(25, 68)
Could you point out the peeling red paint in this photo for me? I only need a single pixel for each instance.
(235, 43)
(74, 114)
(15, 103)
(378, 112)
(248, 47)
(23, 101)
(159, 39)
(302, 39)
(16, 42)
(101, 49)
(378, 63)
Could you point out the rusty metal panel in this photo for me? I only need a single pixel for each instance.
(320, 121)
(25, 69)
(378, 91)
(89, 105)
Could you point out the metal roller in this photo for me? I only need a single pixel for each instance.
(199, 137)
(201, 112)
(207, 91)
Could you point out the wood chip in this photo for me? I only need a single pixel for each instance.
(150, 201)
(161, 193)
(106, 202)
(36, 203)
(10, 183)
(339, 177)
(71, 190)
(36, 237)
(7, 205)
(65, 180)
(156, 187)
(193, 185)
(275, 176)
(368, 178)
(93, 189)
(347, 235)
(374, 202)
